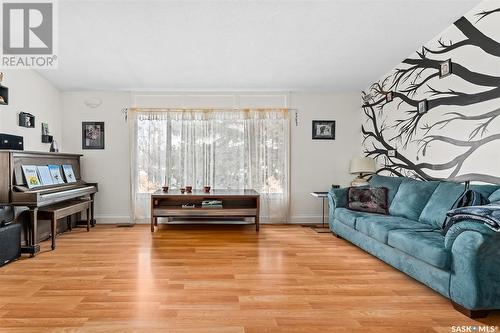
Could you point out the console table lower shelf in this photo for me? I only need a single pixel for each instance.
(235, 203)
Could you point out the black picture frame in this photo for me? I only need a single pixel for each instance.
(323, 129)
(93, 135)
(445, 68)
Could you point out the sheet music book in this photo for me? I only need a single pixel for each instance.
(31, 175)
(68, 173)
(44, 174)
(55, 172)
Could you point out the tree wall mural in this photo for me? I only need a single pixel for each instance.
(437, 115)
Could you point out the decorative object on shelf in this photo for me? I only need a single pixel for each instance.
(46, 138)
(364, 166)
(54, 147)
(323, 130)
(93, 135)
(14, 142)
(444, 68)
(189, 189)
(26, 120)
(164, 188)
(215, 203)
(183, 190)
(206, 189)
(391, 153)
(93, 102)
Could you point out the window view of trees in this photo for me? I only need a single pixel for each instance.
(222, 149)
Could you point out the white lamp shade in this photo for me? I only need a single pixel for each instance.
(362, 165)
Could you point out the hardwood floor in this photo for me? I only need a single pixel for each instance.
(215, 279)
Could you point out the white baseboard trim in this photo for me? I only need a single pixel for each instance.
(112, 219)
(300, 219)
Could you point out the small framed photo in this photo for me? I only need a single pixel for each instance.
(422, 106)
(93, 135)
(389, 96)
(323, 130)
(444, 68)
(391, 153)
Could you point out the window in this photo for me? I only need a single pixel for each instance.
(223, 149)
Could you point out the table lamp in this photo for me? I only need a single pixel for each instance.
(363, 166)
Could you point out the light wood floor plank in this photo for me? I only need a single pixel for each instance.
(223, 279)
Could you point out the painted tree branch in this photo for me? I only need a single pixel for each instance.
(458, 161)
(481, 129)
(477, 38)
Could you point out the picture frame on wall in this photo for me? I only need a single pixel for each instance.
(444, 68)
(323, 129)
(422, 106)
(389, 96)
(93, 135)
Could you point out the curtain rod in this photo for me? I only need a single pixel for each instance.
(126, 110)
(158, 109)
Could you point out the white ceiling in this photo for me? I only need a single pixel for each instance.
(339, 45)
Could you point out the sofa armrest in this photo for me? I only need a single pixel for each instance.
(475, 274)
(464, 226)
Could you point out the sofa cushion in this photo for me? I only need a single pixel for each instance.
(348, 217)
(411, 198)
(378, 226)
(339, 196)
(390, 183)
(370, 199)
(440, 202)
(486, 190)
(427, 246)
(495, 196)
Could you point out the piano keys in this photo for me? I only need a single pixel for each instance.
(14, 191)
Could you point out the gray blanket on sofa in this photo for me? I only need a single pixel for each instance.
(489, 215)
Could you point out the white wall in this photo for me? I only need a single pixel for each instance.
(315, 164)
(29, 92)
(108, 167)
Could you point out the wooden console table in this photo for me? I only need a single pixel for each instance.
(235, 203)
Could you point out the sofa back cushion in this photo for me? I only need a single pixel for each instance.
(411, 198)
(390, 183)
(486, 190)
(495, 196)
(440, 202)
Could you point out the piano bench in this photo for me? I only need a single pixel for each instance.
(62, 210)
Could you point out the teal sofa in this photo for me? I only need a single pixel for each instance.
(463, 265)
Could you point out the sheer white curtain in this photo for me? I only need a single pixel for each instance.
(224, 149)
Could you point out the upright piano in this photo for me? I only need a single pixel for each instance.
(14, 190)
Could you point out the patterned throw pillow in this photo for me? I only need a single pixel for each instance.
(368, 199)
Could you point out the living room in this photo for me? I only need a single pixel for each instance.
(250, 166)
